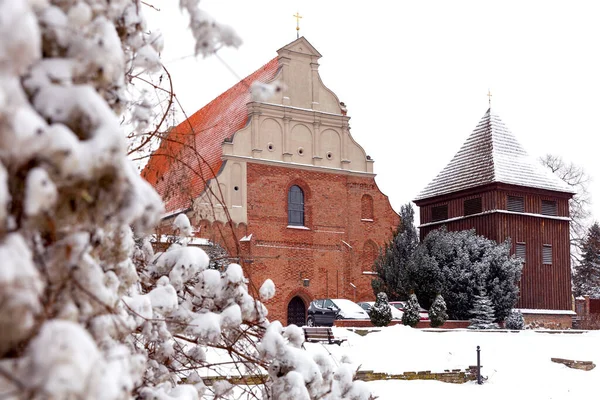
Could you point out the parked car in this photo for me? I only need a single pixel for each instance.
(325, 311)
(423, 313)
(368, 305)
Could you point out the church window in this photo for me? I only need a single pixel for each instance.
(521, 251)
(547, 254)
(439, 213)
(549, 207)
(366, 206)
(515, 204)
(472, 206)
(295, 206)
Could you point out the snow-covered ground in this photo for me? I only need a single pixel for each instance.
(517, 364)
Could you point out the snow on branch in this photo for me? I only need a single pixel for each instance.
(87, 308)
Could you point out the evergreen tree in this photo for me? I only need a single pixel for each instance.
(437, 312)
(391, 264)
(454, 263)
(381, 313)
(502, 280)
(411, 314)
(483, 312)
(586, 277)
(515, 320)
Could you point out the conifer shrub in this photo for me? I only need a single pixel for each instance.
(411, 314)
(515, 320)
(381, 313)
(437, 312)
(482, 313)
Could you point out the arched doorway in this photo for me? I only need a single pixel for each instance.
(296, 312)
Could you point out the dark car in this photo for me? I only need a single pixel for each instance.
(325, 311)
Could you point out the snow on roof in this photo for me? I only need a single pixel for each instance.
(544, 312)
(168, 169)
(492, 154)
(350, 308)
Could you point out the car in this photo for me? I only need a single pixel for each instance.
(325, 311)
(423, 313)
(368, 305)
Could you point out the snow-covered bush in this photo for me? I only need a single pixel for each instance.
(381, 312)
(515, 320)
(482, 312)
(453, 264)
(411, 314)
(87, 310)
(437, 312)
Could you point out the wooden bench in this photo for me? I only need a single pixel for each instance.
(321, 334)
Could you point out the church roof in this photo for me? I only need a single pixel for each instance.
(492, 154)
(190, 155)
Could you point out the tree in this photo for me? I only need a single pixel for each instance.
(482, 314)
(579, 205)
(437, 312)
(392, 263)
(381, 313)
(411, 314)
(586, 277)
(454, 263)
(87, 310)
(515, 320)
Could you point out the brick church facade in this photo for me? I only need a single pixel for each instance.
(281, 184)
(493, 186)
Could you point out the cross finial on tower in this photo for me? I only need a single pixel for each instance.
(297, 16)
(489, 95)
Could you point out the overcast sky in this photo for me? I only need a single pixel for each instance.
(414, 75)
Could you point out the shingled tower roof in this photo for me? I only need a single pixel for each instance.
(492, 154)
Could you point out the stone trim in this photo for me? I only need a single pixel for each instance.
(307, 167)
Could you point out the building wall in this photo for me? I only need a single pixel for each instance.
(335, 247)
(542, 286)
(300, 135)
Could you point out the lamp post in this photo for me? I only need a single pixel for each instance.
(478, 366)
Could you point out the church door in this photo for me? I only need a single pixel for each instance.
(296, 312)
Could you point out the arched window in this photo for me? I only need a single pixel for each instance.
(296, 206)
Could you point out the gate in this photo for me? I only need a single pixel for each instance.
(296, 312)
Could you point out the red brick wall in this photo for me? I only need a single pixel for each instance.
(349, 323)
(549, 321)
(332, 252)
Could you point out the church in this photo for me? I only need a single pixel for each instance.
(493, 186)
(280, 183)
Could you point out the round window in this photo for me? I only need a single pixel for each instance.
(329, 155)
(270, 147)
(300, 151)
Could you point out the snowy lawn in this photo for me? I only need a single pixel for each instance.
(515, 363)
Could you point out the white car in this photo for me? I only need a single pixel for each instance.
(367, 305)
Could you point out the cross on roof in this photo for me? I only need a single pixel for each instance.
(489, 95)
(297, 16)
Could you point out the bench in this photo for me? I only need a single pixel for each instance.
(320, 335)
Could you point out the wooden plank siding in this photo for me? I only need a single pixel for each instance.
(542, 286)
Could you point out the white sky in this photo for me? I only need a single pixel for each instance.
(414, 75)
